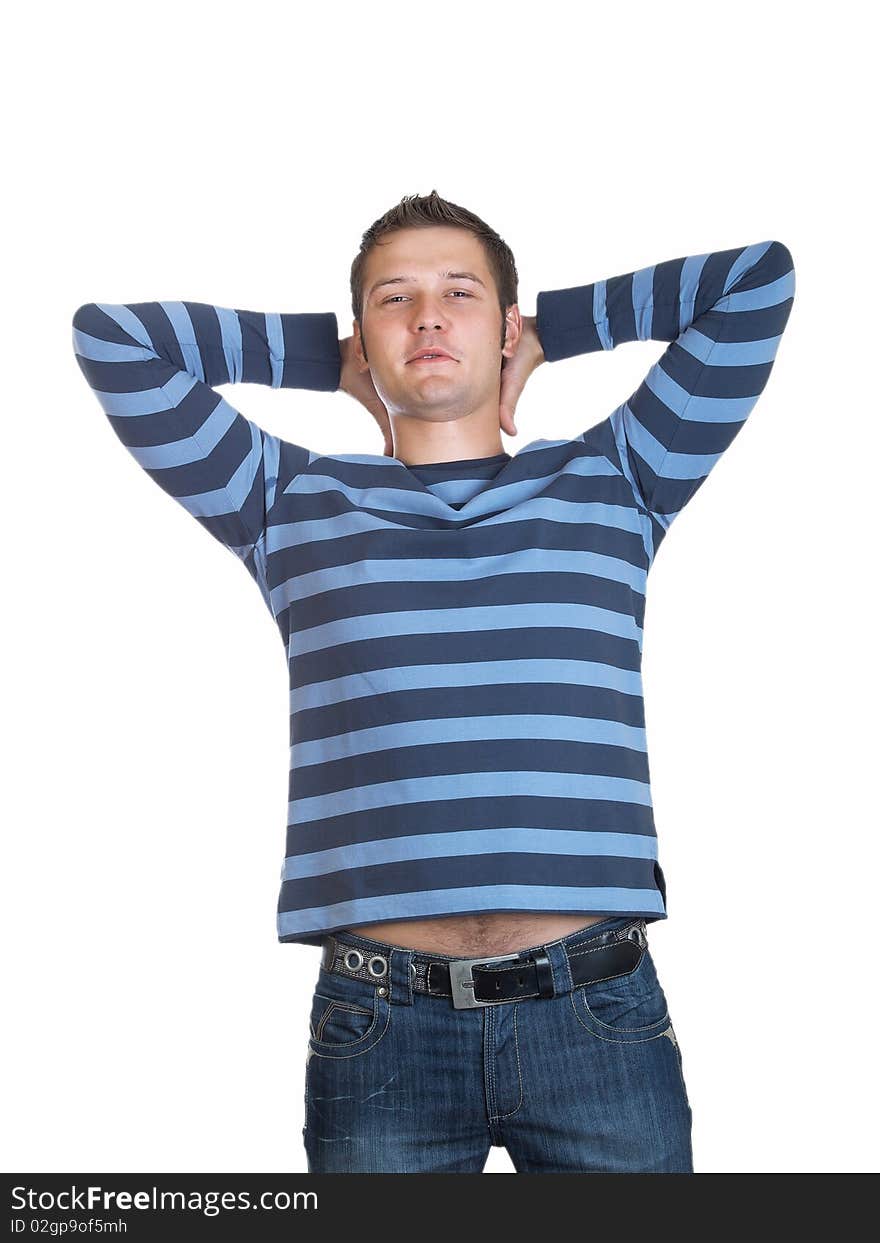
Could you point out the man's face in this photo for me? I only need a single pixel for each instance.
(424, 307)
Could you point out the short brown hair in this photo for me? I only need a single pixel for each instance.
(421, 211)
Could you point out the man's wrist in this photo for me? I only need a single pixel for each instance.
(530, 332)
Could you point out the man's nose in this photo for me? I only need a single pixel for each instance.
(425, 316)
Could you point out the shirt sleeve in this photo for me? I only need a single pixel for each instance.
(152, 364)
(724, 313)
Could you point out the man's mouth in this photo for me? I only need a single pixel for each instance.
(427, 354)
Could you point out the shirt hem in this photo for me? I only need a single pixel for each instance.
(315, 936)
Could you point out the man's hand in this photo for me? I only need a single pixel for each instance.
(516, 370)
(359, 385)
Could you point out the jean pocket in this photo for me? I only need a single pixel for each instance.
(338, 1022)
(626, 1008)
(680, 1063)
(347, 1017)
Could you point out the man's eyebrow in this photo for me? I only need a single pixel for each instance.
(402, 280)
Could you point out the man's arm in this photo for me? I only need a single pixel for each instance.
(151, 366)
(724, 313)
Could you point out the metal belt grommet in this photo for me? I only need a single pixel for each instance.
(353, 966)
(383, 965)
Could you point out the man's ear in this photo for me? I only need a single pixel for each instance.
(513, 327)
(360, 351)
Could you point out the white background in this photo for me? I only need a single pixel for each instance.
(234, 154)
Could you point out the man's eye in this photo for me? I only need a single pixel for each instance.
(394, 297)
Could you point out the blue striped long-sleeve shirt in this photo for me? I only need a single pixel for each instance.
(464, 639)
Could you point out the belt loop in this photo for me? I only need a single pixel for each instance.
(560, 973)
(544, 973)
(400, 976)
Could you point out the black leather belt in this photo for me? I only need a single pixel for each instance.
(484, 981)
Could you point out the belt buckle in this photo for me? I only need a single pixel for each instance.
(461, 979)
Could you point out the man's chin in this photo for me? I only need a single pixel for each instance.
(433, 396)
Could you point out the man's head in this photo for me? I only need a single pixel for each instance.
(430, 273)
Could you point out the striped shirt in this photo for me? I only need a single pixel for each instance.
(464, 639)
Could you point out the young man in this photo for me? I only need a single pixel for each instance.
(470, 833)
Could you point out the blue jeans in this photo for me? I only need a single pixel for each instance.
(589, 1080)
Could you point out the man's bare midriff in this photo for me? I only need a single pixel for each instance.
(466, 936)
